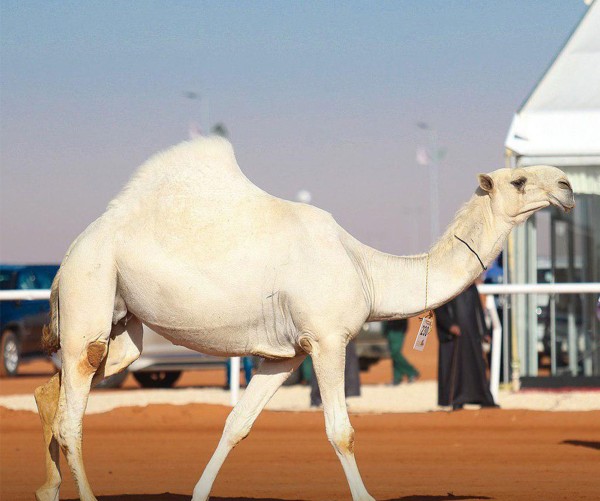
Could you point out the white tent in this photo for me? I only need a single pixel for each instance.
(559, 123)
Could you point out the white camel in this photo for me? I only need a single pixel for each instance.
(193, 249)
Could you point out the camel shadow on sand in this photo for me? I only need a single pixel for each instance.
(447, 497)
(582, 443)
(167, 496)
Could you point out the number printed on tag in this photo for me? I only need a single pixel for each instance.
(422, 335)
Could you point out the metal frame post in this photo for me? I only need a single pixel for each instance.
(553, 296)
(572, 327)
(234, 380)
(531, 274)
(506, 305)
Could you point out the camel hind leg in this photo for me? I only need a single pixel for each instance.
(124, 347)
(46, 398)
(77, 372)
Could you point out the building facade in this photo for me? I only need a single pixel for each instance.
(559, 124)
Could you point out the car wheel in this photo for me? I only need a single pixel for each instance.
(157, 379)
(10, 354)
(114, 381)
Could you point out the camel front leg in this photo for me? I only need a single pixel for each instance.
(263, 385)
(329, 358)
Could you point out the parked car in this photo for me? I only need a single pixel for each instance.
(21, 322)
(161, 363)
(371, 345)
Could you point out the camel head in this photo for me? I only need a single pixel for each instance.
(515, 194)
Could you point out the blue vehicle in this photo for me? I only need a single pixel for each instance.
(21, 322)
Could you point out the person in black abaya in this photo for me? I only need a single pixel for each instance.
(461, 367)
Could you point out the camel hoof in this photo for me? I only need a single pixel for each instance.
(47, 494)
(363, 497)
(200, 496)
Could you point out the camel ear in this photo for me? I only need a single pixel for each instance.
(486, 183)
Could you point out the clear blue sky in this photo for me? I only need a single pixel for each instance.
(322, 96)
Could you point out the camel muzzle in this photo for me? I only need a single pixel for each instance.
(564, 203)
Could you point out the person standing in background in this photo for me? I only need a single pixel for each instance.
(395, 332)
(461, 366)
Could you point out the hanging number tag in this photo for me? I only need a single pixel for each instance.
(422, 335)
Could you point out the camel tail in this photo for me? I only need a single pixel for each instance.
(50, 334)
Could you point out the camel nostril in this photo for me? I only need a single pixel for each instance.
(564, 184)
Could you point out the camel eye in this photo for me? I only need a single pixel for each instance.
(519, 183)
(564, 185)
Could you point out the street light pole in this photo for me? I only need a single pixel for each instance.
(431, 161)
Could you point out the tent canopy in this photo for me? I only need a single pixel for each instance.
(559, 123)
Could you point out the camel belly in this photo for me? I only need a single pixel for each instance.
(223, 329)
(208, 312)
(225, 342)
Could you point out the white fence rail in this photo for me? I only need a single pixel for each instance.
(25, 295)
(576, 288)
(583, 288)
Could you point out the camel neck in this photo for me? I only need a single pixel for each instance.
(403, 286)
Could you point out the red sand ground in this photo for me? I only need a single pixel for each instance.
(491, 454)
(158, 452)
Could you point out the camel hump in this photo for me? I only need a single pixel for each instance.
(201, 168)
(199, 154)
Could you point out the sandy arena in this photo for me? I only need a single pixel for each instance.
(157, 452)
